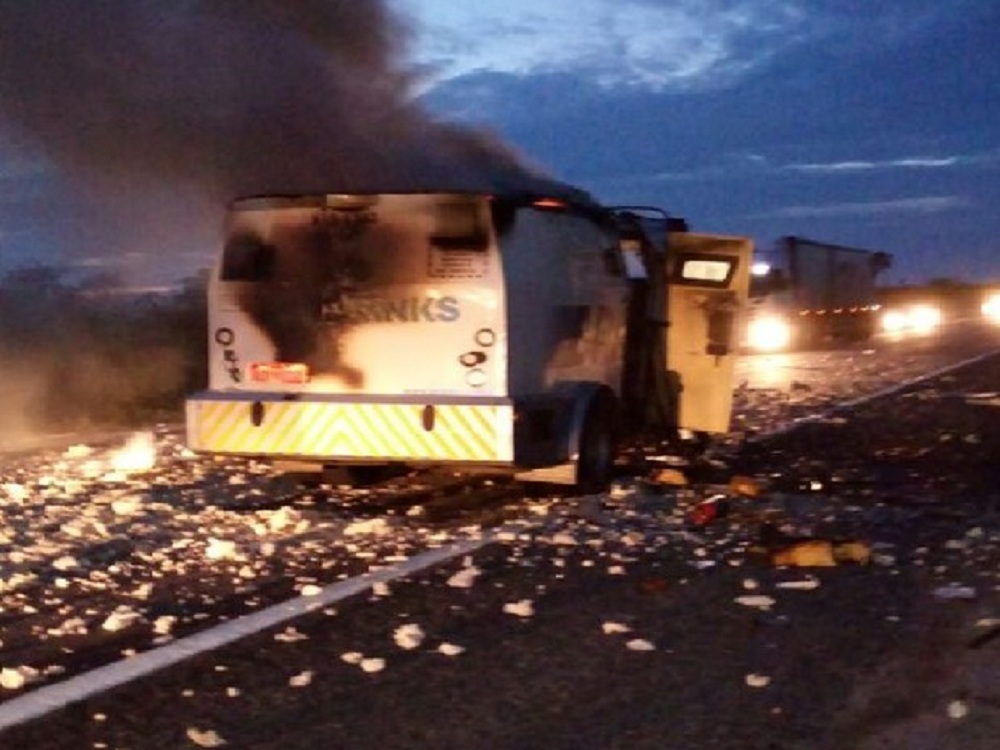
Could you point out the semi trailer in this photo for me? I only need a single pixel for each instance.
(806, 293)
(520, 331)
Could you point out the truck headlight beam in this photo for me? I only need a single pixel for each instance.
(769, 334)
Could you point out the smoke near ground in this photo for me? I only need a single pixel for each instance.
(77, 358)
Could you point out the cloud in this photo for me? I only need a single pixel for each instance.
(657, 46)
(925, 205)
(861, 166)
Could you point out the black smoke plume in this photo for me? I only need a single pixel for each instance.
(233, 97)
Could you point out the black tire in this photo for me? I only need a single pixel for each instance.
(599, 438)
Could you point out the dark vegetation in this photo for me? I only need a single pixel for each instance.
(90, 353)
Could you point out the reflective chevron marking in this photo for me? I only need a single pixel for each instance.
(462, 432)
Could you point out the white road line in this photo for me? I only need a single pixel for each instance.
(50, 698)
(819, 417)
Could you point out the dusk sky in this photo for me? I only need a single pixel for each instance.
(868, 124)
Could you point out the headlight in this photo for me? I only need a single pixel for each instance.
(991, 307)
(918, 318)
(894, 321)
(925, 318)
(769, 334)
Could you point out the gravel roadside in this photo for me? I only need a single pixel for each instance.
(635, 620)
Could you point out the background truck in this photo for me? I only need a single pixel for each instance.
(507, 329)
(805, 293)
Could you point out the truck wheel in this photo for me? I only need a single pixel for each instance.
(598, 444)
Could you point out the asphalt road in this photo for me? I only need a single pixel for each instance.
(598, 622)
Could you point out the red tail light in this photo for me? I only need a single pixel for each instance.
(286, 373)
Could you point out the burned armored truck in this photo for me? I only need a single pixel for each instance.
(517, 331)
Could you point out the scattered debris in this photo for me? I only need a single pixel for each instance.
(760, 601)
(958, 709)
(372, 665)
(120, 619)
(205, 737)
(672, 477)
(408, 636)
(301, 680)
(613, 628)
(955, 591)
(821, 553)
(464, 578)
(522, 608)
(746, 486)
(808, 584)
(639, 644)
(290, 635)
(755, 680)
(708, 510)
(14, 679)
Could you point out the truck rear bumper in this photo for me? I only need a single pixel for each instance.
(345, 428)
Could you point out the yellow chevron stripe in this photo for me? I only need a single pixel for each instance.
(330, 430)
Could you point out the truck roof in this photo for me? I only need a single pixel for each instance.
(524, 189)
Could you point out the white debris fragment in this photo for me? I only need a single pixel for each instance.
(301, 680)
(120, 619)
(372, 664)
(164, 624)
(640, 644)
(290, 635)
(522, 608)
(137, 455)
(464, 578)
(408, 636)
(755, 680)
(220, 549)
(279, 519)
(958, 709)
(72, 626)
(205, 738)
(807, 584)
(614, 628)
(64, 563)
(380, 588)
(760, 601)
(126, 506)
(352, 657)
(955, 591)
(450, 649)
(374, 526)
(16, 492)
(13, 679)
(750, 584)
(564, 538)
(311, 589)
